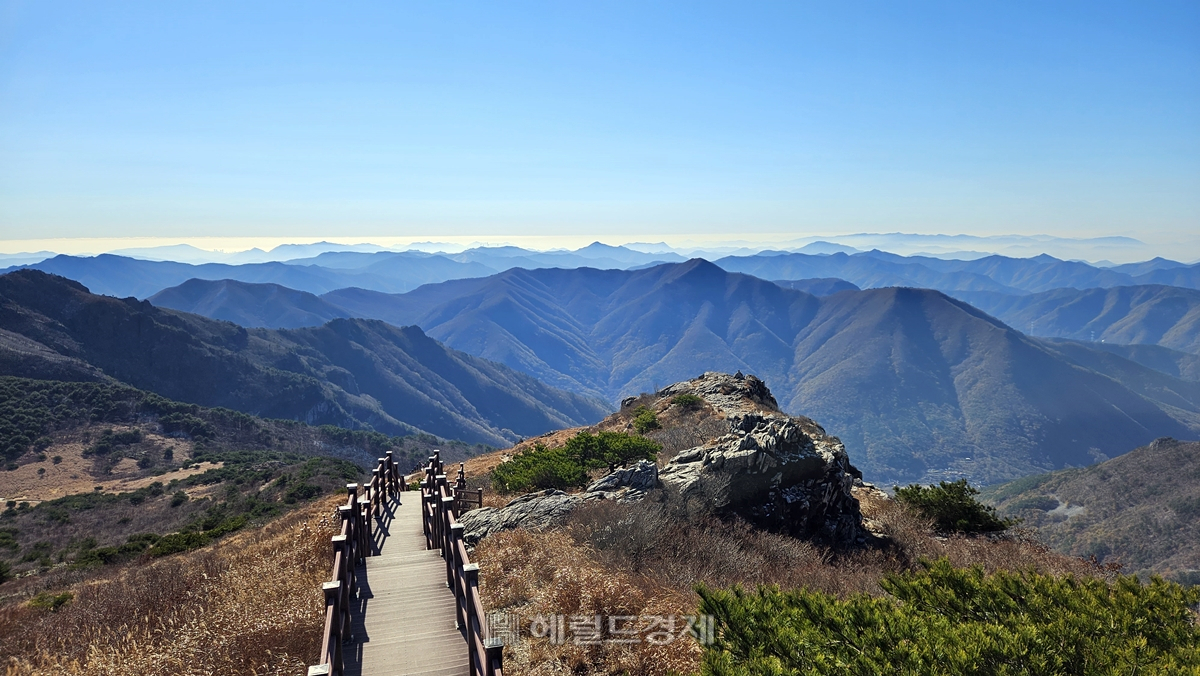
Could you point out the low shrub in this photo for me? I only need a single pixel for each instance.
(135, 546)
(952, 507)
(51, 602)
(610, 450)
(947, 620)
(540, 467)
(687, 400)
(644, 420)
(179, 542)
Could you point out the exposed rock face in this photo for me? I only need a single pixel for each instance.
(777, 471)
(780, 472)
(534, 510)
(729, 394)
(626, 485)
(550, 507)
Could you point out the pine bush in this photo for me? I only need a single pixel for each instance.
(946, 620)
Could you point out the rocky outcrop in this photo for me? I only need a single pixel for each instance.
(551, 507)
(778, 471)
(534, 510)
(730, 394)
(625, 485)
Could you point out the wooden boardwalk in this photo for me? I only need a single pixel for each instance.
(403, 621)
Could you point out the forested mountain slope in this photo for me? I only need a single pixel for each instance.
(918, 385)
(354, 373)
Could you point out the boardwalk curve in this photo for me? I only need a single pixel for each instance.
(403, 598)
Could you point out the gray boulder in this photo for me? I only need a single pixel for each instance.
(551, 507)
(778, 471)
(533, 510)
(625, 485)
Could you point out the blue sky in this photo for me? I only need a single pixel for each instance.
(618, 120)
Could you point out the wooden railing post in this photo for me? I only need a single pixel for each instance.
(456, 534)
(333, 597)
(426, 501)
(379, 493)
(342, 545)
(346, 512)
(390, 467)
(365, 521)
(471, 619)
(447, 546)
(494, 655)
(354, 532)
(440, 491)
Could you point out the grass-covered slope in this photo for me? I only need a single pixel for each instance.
(352, 373)
(249, 603)
(1141, 509)
(95, 473)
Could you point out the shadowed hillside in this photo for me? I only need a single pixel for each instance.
(352, 373)
(250, 305)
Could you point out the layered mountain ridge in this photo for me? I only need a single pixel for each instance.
(919, 385)
(350, 372)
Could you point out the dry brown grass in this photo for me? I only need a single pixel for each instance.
(77, 474)
(646, 559)
(551, 573)
(250, 604)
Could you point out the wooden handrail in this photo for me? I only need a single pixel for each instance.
(350, 547)
(440, 506)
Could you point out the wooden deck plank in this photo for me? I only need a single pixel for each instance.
(403, 620)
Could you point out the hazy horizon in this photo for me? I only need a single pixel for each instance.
(536, 122)
(1114, 249)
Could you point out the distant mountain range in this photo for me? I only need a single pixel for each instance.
(823, 286)
(350, 372)
(398, 272)
(1000, 274)
(919, 385)
(387, 271)
(124, 277)
(1151, 315)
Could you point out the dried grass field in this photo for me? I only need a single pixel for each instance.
(249, 604)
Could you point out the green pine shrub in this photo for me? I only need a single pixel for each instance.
(539, 468)
(952, 507)
(687, 400)
(51, 602)
(610, 450)
(567, 466)
(946, 620)
(644, 420)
